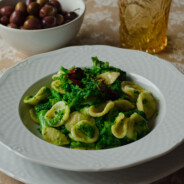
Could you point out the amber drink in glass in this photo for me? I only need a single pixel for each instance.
(143, 24)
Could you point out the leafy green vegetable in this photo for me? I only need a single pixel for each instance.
(101, 67)
(63, 130)
(141, 113)
(58, 116)
(100, 122)
(42, 120)
(83, 88)
(111, 116)
(136, 92)
(44, 106)
(87, 129)
(141, 128)
(75, 144)
(64, 70)
(107, 139)
(77, 96)
(116, 86)
(55, 97)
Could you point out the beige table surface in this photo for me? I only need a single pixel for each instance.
(100, 26)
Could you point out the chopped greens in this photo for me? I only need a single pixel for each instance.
(85, 109)
(87, 130)
(57, 118)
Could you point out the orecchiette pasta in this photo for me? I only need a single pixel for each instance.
(85, 111)
(109, 77)
(54, 136)
(135, 126)
(131, 89)
(123, 105)
(33, 116)
(84, 131)
(55, 76)
(56, 85)
(42, 94)
(119, 129)
(58, 114)
(146, 103)
(101, 110)
(75, 117)
(92, 108)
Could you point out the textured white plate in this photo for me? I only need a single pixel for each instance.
(32, 173)
(155, 74)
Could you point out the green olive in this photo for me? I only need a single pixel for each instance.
(57, 5)
(47, 10)
(21, 6)
(59, 19)
(42, 2)
(33, 8)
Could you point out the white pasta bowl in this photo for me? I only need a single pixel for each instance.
(158, 76)
(32, 42)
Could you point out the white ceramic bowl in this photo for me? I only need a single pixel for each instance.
(32, 42)
(20, 135)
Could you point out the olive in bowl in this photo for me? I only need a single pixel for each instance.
(28, 32)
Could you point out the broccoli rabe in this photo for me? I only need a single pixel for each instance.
(101, 67)
(76, 144)
(42, 120)
(107, 139)
(53, 98)
(86, 93)
(87, 130)
(44, 106)
(58, 116)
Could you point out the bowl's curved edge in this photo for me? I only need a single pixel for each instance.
(176, 71)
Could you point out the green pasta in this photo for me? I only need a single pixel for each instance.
(92, 108)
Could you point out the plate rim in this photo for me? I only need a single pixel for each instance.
(22, 177)
(170, 66)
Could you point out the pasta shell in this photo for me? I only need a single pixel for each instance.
(56, 85)
(54, 136)
(129, 127)
(33, 115)
(119, 129)
(147, 104)
(123, 105)
(55, 76)
(42, 94)
(75, 117)
(131, 89)
(58, 114)
(85, 111)
(78, 135)
(100, 110)
(137, 125)
(109, 77)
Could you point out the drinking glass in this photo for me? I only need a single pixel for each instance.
(144, 24)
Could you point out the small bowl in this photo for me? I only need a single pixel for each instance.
(32, 42)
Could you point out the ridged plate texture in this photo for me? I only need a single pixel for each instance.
(164, 137)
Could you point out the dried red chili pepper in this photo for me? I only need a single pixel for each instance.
(112, 95)
(76, 73)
